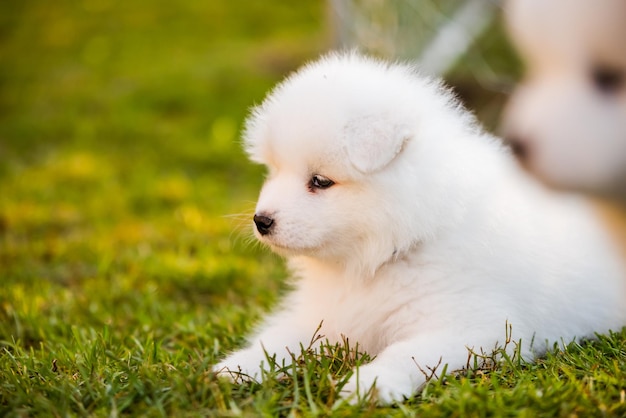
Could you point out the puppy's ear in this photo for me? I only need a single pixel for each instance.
(372, 142)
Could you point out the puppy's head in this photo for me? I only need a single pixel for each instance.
(567, 119)
(334, 138)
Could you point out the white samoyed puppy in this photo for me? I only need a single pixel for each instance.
(567, 119)
(412, 232)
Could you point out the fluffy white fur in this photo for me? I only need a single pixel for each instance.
(569, 114)
(431, 238)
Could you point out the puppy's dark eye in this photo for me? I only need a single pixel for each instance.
(320, 182)
(607, 80)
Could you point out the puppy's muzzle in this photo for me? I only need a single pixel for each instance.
(264, 224)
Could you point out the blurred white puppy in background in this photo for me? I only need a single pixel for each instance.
(567, 119)
(412, 232)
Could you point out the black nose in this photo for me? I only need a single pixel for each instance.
(264, 224)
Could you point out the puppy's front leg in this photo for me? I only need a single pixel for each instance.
(280, 337)
(403, 367)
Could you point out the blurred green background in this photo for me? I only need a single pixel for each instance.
(120, 164)
(125, 199)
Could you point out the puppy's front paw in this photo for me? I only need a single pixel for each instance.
(382, 384)
(242, 366)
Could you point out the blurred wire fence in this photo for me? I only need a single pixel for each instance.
(435, 33)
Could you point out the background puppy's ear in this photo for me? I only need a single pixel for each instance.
(372, 142)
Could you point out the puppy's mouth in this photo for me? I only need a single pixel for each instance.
(286, 249)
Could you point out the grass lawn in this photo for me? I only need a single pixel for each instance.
(126, 260)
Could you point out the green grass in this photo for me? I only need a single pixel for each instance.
(126, 262)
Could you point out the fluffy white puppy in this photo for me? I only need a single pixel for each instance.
(567, 119)
(412, 232)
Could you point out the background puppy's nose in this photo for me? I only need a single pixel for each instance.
(519, 146)
(264, 224)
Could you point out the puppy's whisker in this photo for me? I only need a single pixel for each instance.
(250, 241)
(241, 225)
